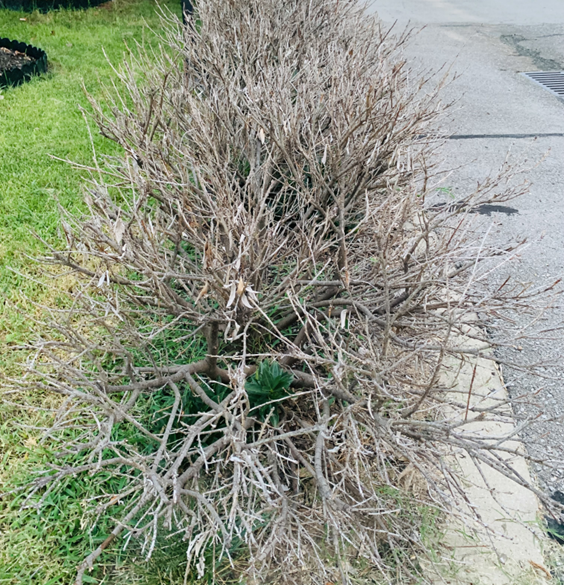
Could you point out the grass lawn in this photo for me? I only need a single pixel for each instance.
(39, 119)
(42, 118)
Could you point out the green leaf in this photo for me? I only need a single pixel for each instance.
(269, 382)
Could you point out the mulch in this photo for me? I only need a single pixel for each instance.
(11, 59)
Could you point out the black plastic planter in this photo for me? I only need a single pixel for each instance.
(18, 75)
(46, 5)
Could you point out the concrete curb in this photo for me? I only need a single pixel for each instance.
(511, 552)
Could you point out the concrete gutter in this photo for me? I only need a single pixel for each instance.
(510, 551)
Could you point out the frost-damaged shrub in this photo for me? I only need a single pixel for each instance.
(263, 304)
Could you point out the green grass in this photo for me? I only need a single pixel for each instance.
(38, 120)
(41, 119)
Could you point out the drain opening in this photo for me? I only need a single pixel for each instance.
(551, 80)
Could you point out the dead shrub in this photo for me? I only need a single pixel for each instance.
(264, 298)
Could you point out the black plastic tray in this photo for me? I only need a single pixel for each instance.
(19, 75)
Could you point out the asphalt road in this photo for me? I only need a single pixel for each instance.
(489, 43)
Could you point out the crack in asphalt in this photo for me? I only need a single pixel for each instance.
(516, 136)
(515, 40)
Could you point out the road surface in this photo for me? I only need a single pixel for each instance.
(489, 43)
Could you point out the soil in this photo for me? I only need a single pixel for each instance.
(13, 59)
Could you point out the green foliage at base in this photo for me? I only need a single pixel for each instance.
(267, 385)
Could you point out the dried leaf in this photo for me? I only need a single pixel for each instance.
(232, 294)
(208, 255)
(119, 230)
(245, 302)
(203, 292)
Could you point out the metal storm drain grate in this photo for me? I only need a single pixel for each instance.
(551, 80)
